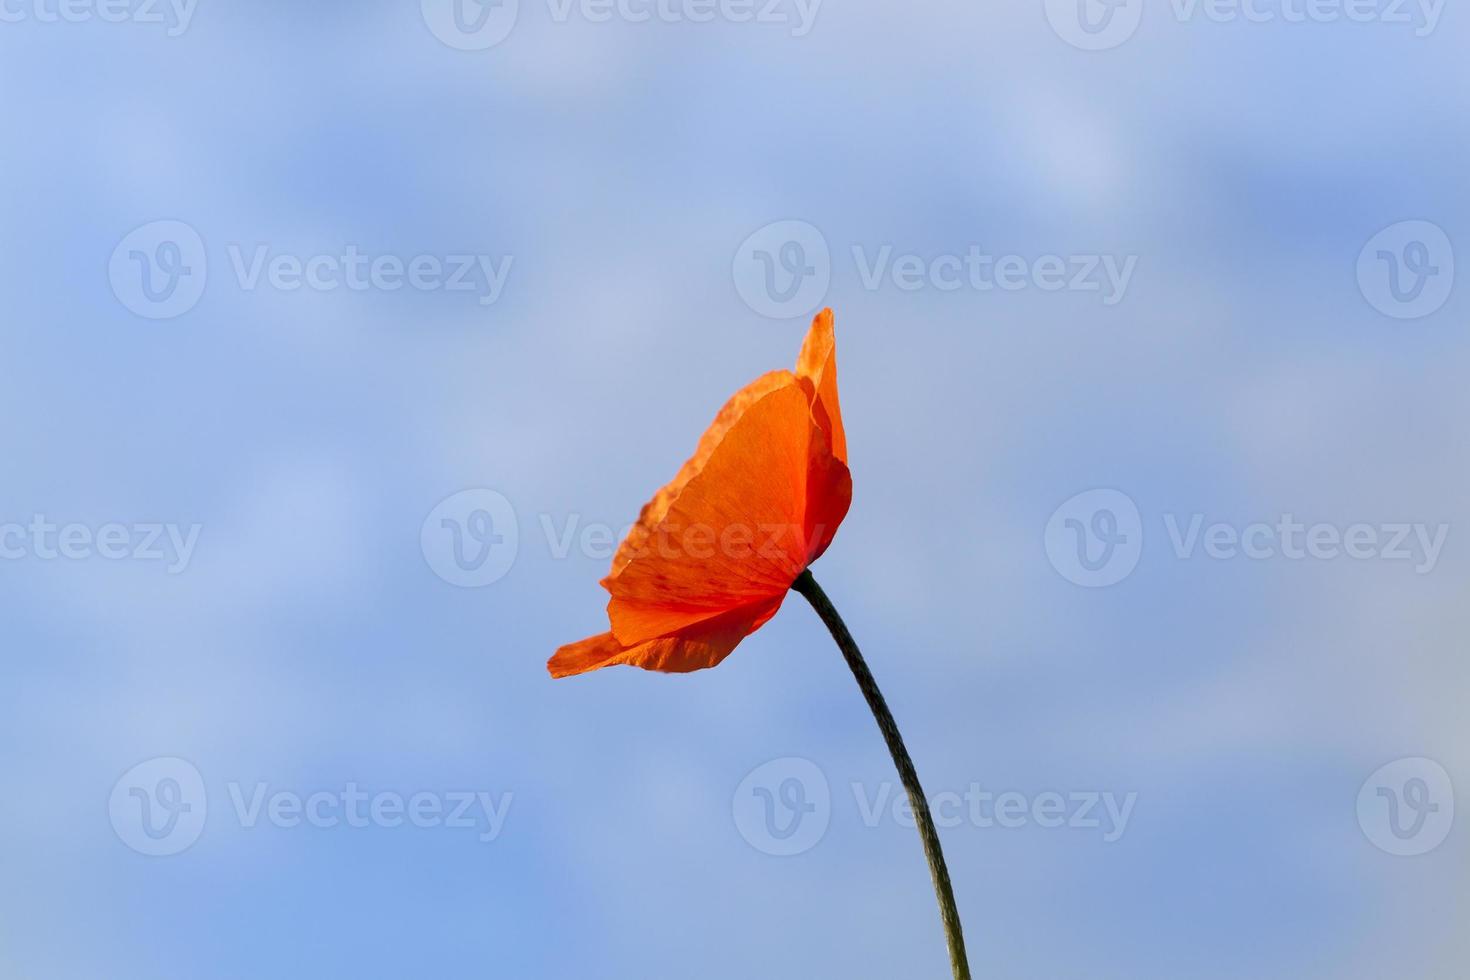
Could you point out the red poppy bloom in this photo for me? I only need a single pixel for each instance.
(715, 551)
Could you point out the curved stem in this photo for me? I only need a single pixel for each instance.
(948, 912)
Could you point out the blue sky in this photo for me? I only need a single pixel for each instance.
(621, 177)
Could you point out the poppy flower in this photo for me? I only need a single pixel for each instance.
(713, 554)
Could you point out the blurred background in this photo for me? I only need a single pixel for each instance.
(341, 341)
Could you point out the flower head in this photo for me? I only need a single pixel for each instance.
(713, 554)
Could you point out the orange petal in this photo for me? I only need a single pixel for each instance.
(739, 532)
(653, 512)
(817, 363)
(694, 648)
(829, 494)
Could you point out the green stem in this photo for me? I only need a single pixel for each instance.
(948, 912)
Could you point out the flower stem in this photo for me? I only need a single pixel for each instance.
(948, 912)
